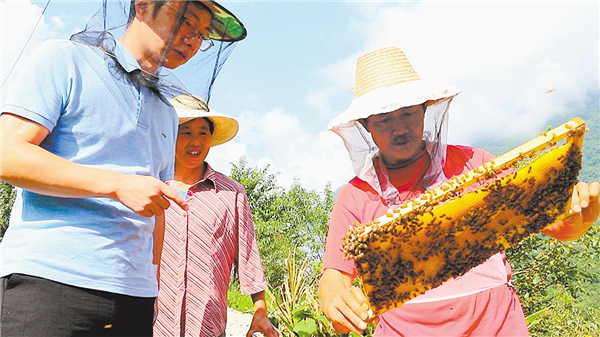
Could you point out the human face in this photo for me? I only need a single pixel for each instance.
(398, 134)
(193, 144)
(188, 22)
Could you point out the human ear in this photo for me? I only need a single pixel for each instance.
(142, 8)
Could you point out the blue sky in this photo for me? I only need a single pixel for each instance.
(518, 65)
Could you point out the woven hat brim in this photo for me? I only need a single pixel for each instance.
(224, 26)
(383, 100)
(226, 128)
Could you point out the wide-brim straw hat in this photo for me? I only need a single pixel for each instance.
(190, 107)
(224, 26)
(385, 82)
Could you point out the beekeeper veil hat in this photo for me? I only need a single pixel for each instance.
(385, 82)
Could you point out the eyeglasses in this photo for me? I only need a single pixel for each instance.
(190, 30)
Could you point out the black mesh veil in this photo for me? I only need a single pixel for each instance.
(108, 25)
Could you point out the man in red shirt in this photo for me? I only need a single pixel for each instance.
(201, 245)
(395, 133)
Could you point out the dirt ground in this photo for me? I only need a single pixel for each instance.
(238, 323)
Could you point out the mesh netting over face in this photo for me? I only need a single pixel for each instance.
(365, 155)
(165, 39)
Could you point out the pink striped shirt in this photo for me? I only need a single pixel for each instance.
(199, 249)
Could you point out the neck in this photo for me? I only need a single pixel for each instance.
(131, 43)
(189, 176)
(408, 176)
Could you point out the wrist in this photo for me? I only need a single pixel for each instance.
(108, 183)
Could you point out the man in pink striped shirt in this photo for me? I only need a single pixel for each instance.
(201, 245)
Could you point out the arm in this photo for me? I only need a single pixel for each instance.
(345, 306)
(158, 236)
(585, 207)
(260, 321)
(25, 164)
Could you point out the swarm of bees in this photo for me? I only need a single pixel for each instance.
(445, 232)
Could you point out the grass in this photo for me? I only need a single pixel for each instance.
(237, 301)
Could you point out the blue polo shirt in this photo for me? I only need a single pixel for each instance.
(96, 118)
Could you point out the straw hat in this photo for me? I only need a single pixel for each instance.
(385, 82)
(189, 107)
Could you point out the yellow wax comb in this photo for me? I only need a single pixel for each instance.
(444, 232)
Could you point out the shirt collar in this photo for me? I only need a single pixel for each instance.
(125, 58)
(211, 176)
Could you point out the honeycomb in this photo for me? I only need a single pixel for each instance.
(445, 232)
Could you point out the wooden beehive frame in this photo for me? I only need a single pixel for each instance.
(572, 131)
(403, 244)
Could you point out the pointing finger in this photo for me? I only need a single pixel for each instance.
(171, 194)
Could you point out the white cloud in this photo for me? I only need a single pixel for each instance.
(58, 23)
(220, 157)
(517, 63)
(18, 19)
(277, 139)
(331, 81)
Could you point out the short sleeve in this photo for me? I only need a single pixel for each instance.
(339, 222)
(250, 268)
(168, 173)
(40, 91)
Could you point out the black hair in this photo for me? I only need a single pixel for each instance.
(157, 5)
(211, 124)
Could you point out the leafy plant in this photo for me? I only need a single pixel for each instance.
(294, 305)
(236, 300)
(292, 220)
(535, 318)
(561, 278)
(7, 199)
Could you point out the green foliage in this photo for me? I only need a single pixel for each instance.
(563, 278)
(293, 220)
(7, 199)
(237, 301)
(294, 306)
(535, 318)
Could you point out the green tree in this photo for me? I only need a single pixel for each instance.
(7, 199)
(286, 221)
(564, 277)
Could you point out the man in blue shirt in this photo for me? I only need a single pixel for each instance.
(89, 143)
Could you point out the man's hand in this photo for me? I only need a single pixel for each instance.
(25, 164)
(145, 195)
(585, 208)
(345, 306)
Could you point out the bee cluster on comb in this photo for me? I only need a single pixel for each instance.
(444, 233)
